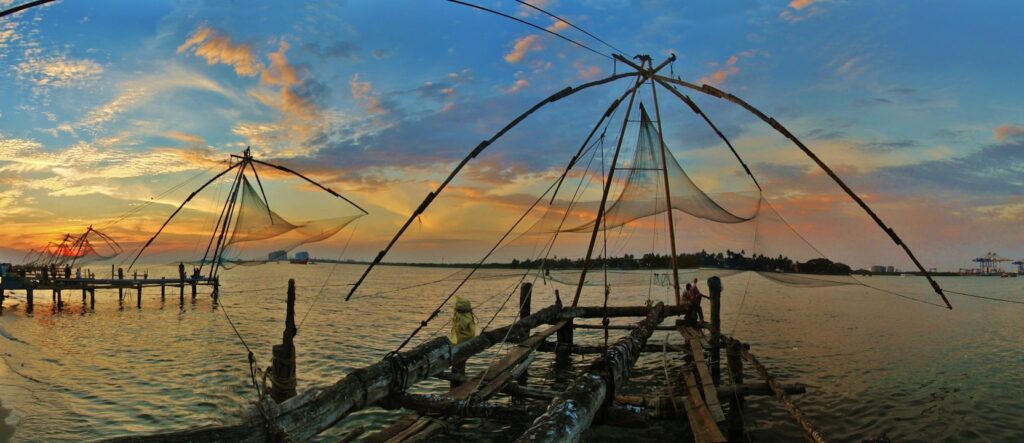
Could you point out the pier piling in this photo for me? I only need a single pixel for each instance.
(138, 297)
(28, 300)
(715, 290)
(733, 353)
(525, 299)
(282, 370)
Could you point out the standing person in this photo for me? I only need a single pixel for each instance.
(695, 296)
(463, 328)
(181, 271)
(120, 273)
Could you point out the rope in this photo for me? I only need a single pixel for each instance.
(1019, 302)
(533, 26)
(330, 274)
(574, 26)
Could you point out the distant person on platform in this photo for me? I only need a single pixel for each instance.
(693, 295)
(181, 271)
(463, 328)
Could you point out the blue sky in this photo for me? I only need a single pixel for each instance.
(107, 104)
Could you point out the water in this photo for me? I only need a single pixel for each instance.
(874, 364)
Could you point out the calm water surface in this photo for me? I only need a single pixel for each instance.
(874, 364)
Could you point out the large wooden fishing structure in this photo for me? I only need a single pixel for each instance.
(704, 391)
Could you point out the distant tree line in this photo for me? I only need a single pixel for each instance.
(727, 260)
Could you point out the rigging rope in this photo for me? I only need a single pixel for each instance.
(570, 24)
(471, 5)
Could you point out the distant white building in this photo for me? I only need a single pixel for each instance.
(278, 255)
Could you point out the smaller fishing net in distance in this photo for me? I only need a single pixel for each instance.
(259, 231)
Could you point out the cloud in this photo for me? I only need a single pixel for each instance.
(584, 71)
(286, 88)
(530, 43)
(363, 91)
(219, 49)
(57, 71)
(337, 50)
(137, 91)
(526, 11)
(800, 4)
(724, 72)
(523, 45)
(1004, 132)
(852, 65)
(798, 10)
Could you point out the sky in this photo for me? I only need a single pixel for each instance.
(117, 108)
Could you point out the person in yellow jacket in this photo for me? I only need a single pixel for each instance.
(463, 328)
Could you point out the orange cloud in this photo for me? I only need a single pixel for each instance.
(798, 10)
(531, 43)
(364, 91)
(521, 46)
(586, 72)
(730, 69)
(1004, 132)
(800, 4)
(216, 48)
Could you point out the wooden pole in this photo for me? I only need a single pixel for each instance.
(193, 289)
(736, 402)
(138, 297)
(573, 411)
(283, 365)
(28, 299)
(715, 290)
(525, 299)
(668, 194)
(599, 218)
(92, 298)
(60, 301)
(163, 290)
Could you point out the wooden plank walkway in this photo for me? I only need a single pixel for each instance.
(695, 341)
(420, 428)
(703, 412)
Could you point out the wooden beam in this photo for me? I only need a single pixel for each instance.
(574, 410)
(810, 431)
(694, 340)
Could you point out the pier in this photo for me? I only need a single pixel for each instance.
(33, 280)
(701, 389)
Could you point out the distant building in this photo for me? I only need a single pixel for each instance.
(890, 269)
(303, 255)
(278, 255)
(878, 269)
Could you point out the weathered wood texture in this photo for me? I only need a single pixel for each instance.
(479, 388)
(319, 408)
(573, 411)
(810, 431)
(693, 340)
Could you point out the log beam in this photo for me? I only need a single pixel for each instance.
(574, 410)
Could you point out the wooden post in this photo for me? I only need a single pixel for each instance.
(28, 299)
(216, 289)
(525, 299)
(193, 289)
(138, 298)
(282, 368)
(715, 289)
(60, 301)
(120, 294)
(733, 352)
(92, 298)
(84, 293)
(163, 290)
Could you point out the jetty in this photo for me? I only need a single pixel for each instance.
(703, 390)
(60, 285)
